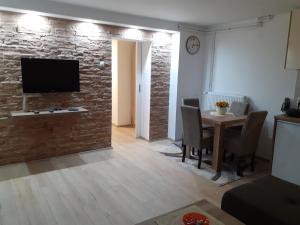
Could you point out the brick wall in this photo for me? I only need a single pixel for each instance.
(160, 82)
(34, 138)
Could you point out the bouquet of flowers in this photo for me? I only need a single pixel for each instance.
(222, 104)
(221, 107)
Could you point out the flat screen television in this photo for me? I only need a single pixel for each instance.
(50, 75)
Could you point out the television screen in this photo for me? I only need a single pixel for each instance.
(50, 75)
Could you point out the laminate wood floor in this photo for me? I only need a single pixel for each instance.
(126, 185)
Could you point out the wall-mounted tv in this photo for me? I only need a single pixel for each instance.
(50, 75)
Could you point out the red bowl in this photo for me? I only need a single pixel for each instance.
(193, 218)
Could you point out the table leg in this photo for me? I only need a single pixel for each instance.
(218, 149)
(217, 176)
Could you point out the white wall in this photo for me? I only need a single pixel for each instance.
(122, 56)
(173, 86)
(251, 63)
(190, 75)
(114, 71)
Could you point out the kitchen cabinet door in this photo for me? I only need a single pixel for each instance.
(293, 49)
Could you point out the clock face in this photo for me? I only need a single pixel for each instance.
(192, 45)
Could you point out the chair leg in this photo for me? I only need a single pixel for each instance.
(231, 157)
(224, 156)
(209, 148)
(207, 151)
(200, 158)
(253, 162)
(239, 169)
(183, 152)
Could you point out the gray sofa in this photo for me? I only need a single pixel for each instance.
(267, 201)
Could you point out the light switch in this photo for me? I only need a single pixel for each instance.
(101, 64)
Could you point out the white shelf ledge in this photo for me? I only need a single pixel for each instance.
(47, 113)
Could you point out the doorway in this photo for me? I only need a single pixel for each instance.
(123, 83)
(131, 83)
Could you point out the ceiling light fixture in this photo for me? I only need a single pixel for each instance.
(33, 22)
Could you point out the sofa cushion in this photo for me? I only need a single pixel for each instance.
(266, 201)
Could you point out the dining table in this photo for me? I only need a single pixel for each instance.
(220, 123)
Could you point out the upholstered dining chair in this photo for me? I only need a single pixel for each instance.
(193, 134)
(244, 144)
(191, 102)
(195, 103)
(239, 108)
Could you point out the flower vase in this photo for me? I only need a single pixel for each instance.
(221, 110)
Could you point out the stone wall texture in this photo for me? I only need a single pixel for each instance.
(160, 83)
(25, 139)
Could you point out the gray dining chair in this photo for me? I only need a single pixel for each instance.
(196, 103)
(239, 108)
(244, 144)
(193, 134)
(191, 102)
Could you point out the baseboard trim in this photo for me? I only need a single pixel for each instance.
(128, 126)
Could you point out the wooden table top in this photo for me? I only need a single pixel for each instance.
(228, 119)
(207, 207)
(287, 118)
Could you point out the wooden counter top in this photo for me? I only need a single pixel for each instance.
(286, 118)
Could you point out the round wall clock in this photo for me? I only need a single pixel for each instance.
(192, 44)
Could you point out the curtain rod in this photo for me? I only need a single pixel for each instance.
(259, 22)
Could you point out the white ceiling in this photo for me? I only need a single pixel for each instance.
(199, 12)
